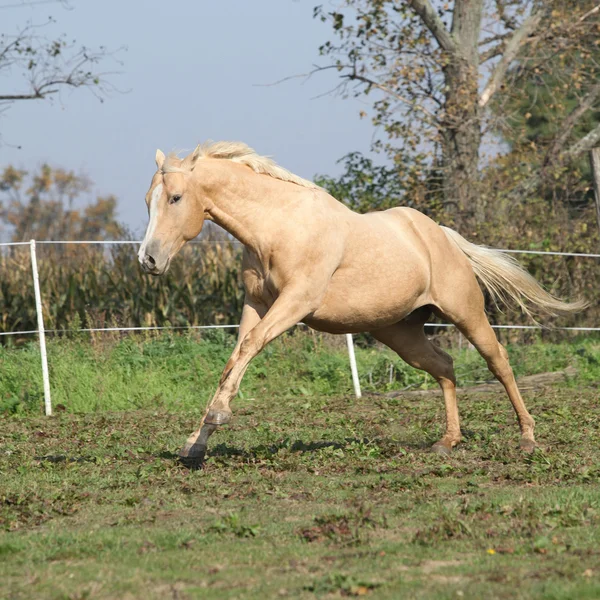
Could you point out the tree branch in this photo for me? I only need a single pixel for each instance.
(512, 49)
(429, 117)
(585, 144)
(494, 38)
(34, 96)
(509, 21)
(492, 52)
(586, 103)
(48, 65)
(432, 20)
(590, 13)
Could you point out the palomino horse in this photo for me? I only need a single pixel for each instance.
(309, 258)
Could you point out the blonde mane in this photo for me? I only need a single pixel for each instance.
(237, 152)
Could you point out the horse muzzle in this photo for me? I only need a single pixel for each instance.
(150, 265)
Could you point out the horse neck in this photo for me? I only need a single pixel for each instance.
(239, 199)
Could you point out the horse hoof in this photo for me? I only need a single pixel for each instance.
(193, 464)
(527, 445)
(192, 456)
(192, 451)
(441, 448)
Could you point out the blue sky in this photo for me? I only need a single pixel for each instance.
(192, 71)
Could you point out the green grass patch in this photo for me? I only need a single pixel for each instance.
(180, 372)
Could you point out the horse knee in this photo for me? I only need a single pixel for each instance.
(252, 342)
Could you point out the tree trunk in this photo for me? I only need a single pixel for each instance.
(461, 127)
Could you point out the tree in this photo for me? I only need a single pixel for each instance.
(41, 205)
(364, 186)
(426, 60)
(47, 65)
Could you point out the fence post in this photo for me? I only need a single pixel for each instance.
(41, 330)
(353, 368)
(595, 164)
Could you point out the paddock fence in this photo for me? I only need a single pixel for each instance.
(41, 331)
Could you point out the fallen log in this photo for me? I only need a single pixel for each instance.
(529, 382)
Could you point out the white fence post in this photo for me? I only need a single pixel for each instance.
(41, 331)
(353, 368)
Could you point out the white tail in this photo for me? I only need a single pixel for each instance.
(505, 279)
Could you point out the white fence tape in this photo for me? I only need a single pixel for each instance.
(182, 327)
(549, 253)
(349, 340)
(235, 242)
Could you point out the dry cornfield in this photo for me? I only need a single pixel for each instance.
(95, 286)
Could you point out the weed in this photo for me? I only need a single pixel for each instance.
(231, 524)
(347, 585)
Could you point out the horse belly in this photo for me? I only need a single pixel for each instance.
(354, 303)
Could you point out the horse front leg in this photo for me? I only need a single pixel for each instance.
(195, 446)
(285, 312)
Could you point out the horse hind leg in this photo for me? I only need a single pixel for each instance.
(480, 333)
(409, 341)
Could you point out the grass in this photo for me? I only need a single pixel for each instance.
(174, 372)
(304, 495)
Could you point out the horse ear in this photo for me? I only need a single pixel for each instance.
(160, 159)
(194, 156)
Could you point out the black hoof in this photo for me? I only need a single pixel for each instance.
(192, 456)
(193, 464)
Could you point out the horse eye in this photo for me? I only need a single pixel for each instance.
(175, 198)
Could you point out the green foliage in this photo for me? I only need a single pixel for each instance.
(550, 81)
(336, 583)
(232, 524)
(178, 372)
(365, 186)
(542, 103)
(551, 103)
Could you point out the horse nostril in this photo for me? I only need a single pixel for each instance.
(150, 261)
